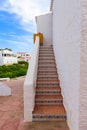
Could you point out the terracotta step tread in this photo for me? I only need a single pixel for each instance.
(47, 85)
(44, 59)
(47, 76)
(48, 97)
(45, 88)
(47, 59)
(47, 65)
(46, 48)
(46, 55)
(47, 68)
(52, 109)
(43, 52)
(50, 51)
(47, 62)
(43, 70)
(48, 80)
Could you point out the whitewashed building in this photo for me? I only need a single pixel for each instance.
(65, 27)
(23, 56)
(7, 57)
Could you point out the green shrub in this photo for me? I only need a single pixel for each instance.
(14, 70)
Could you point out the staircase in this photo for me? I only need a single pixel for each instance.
(48, 99)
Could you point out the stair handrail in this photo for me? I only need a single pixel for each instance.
(30, 83)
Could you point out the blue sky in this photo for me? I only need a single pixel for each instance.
(17, 22)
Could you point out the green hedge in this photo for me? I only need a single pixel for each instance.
(14, 70)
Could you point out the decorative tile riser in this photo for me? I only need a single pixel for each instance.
(41, 92)
(46, 55)
(49, 101)
(52, 88)
(46, 51)
(46, 62)
(47, 78)
(46, 58)
(49, 104)
(46, 66)
(47, 69)
(47, 86)
(46, 83)
(42, 62)
(42, 117)
(49, 81)
(47, 93)
(40, 49)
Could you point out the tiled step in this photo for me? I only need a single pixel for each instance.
(47, 76)
(38, 84)
(48, 80)
(49, 113)
(46, 58)
(46, 47)
(49, 117)
(46, 55)
(47, 71)
(47, 88)
(48, 92)
(48, 99)
(47, 83)
(47, 65)
(43, 97)
(46, 62)
(45, 52)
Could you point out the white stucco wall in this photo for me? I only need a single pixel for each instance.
(83, 73)
(1, 60)
(44, 25)
(66, 42)
(4, 90)
(9, 60)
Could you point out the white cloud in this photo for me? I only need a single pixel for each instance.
(26, 10)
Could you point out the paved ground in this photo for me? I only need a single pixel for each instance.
(11, 112)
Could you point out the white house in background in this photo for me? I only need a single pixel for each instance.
(66, 28)
(7, 57)
(23, 56)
